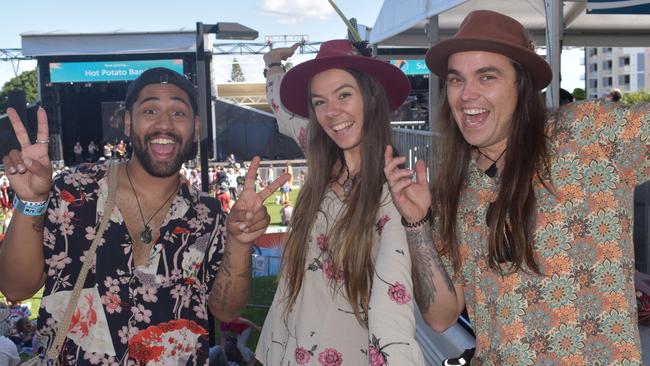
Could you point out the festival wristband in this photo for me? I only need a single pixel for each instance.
(30, 208)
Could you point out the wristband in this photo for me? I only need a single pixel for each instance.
(413, 225)
(30, 208)
(266, 69)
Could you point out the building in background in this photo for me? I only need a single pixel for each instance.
(625, 68)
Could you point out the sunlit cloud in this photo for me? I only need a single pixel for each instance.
(296, 11)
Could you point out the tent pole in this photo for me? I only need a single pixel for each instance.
(433, 36)
(554, 35)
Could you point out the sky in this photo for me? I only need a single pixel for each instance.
(314, 18)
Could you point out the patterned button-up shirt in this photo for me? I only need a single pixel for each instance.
(153, 314)
(582, 310)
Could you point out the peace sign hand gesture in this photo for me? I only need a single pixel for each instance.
(29, 170)
(248, 218)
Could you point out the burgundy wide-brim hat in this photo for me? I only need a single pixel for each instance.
(340, 54)
(485, 30)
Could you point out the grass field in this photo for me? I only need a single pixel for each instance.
(262, 293)
(274, 209)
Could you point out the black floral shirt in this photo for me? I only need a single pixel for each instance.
(126, 315)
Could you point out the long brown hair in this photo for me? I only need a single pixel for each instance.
(351, 239)
(511, 218)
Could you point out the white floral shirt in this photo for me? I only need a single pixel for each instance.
(321, 328)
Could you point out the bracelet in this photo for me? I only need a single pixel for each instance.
(413, 225)
(266, 69)
(28, 208)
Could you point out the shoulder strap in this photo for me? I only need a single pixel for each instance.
(62, 332)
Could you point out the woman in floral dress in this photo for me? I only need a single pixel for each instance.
(345, 293)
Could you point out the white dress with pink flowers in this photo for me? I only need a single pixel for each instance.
(321, 328)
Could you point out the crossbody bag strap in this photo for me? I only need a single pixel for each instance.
(55, 349)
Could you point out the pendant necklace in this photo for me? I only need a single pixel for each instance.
(349, 181)
(145, 234)
(492, 170)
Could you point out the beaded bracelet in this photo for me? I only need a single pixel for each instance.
(266, 69)
(30, 208)
(413, 225)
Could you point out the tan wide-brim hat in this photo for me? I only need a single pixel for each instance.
(485, 30)
(341, 54)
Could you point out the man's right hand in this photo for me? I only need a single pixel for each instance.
(29, 171)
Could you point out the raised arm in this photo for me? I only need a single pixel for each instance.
(30, 176)
(439, 300)
(246, 222)
(288, 124)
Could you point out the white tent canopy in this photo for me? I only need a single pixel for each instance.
(402, 22)
(405, 23)
(118, 42)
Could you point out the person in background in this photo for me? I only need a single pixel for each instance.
(93, 149)
(232, 182)
(531, 214)
(108, 151)
(270, 173)
(241, 328)
(345, 257)
(78, 153)
(285, 189)
(224, 197)
(285, 213)
(614, 95)
(8, 350)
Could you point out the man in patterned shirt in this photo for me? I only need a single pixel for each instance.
(164, 258)
(532, 215)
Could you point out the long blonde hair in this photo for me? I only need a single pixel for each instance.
(351, 239)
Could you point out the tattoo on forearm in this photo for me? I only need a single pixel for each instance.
(38, 223)
(221, 296)
(427, 267)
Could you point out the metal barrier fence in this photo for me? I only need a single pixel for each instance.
(415, 145)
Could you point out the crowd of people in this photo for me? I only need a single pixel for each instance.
(17, 333)
(526, 224)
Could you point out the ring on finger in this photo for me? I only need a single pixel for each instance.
(42, 141)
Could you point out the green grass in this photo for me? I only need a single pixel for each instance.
(274, 209)
(262, 292)
(35, 302)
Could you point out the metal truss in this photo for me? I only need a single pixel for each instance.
(247, 48)
(13, 55)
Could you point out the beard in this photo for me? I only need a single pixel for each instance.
(162, 169)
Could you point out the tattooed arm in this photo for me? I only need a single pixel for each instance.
(439, 299)
(231, 287)
(30, 176)
(246, 222)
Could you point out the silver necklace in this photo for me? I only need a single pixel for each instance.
(349, 181)
(145, 234)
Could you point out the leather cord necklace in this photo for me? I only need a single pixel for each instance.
(492, 169)
(145, 234)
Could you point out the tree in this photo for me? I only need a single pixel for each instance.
(635, 97)
(236, 75)
(25, 81)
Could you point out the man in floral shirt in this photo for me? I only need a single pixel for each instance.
(532, 215)
(163, 260)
